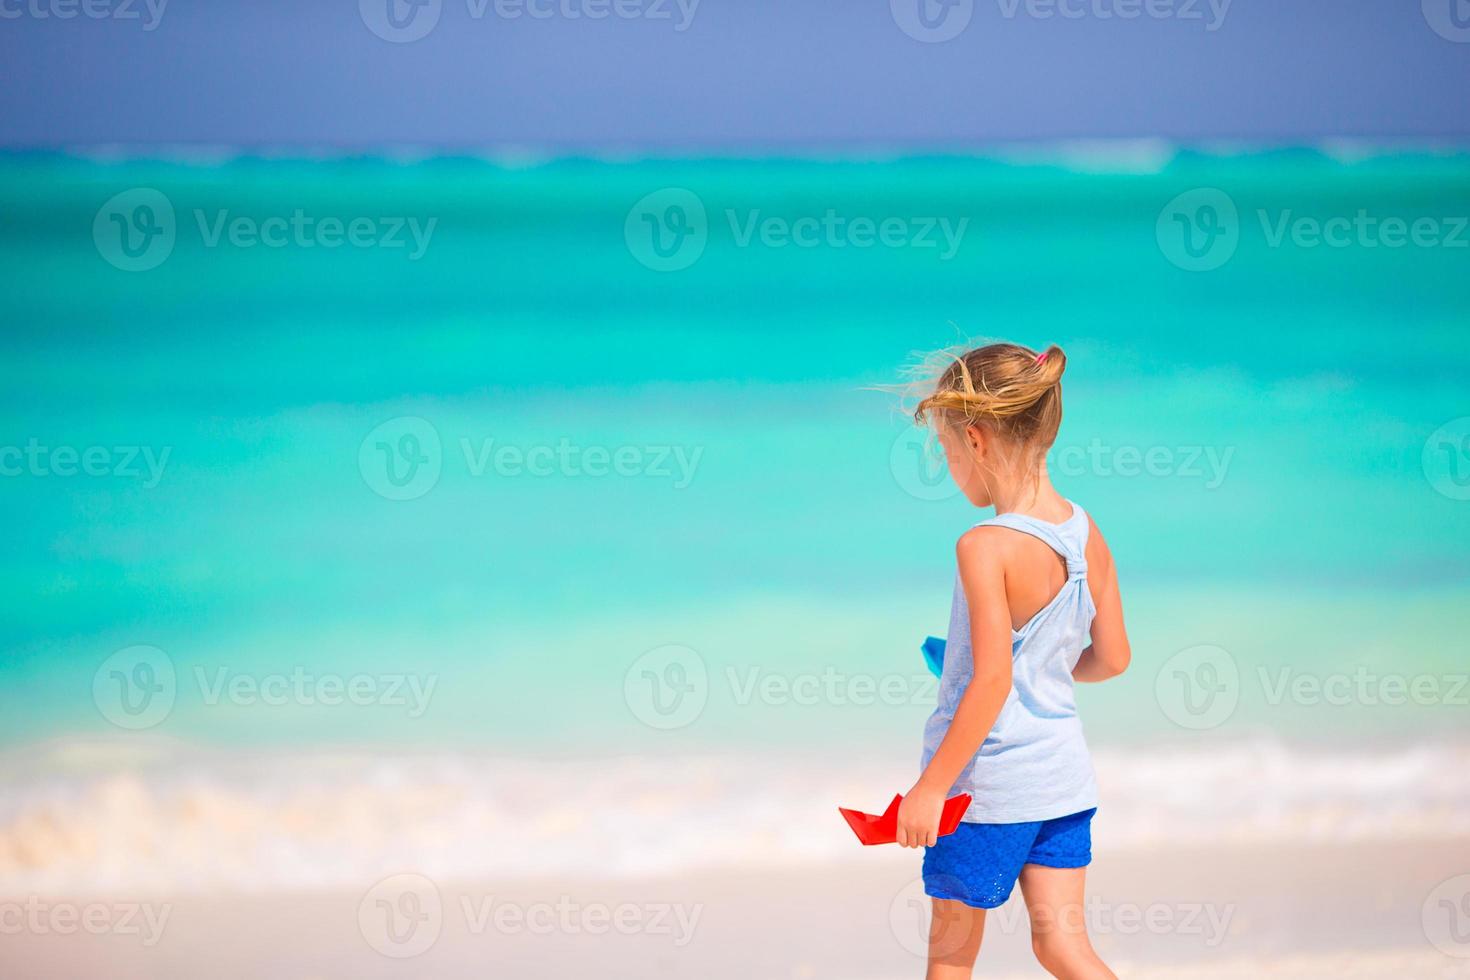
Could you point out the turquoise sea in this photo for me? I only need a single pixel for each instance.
(610, 433)
(763, 513)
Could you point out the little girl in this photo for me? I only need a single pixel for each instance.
(1036, 607)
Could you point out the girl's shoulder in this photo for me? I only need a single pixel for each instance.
(985, 538)
(1099, 556)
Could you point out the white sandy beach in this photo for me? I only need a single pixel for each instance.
(1300, 912)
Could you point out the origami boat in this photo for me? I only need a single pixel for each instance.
(884, 829)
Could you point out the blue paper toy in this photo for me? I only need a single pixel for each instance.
(934, 655)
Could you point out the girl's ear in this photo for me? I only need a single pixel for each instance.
(975, 437)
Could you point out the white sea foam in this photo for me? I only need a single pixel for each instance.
(1119, 155)
(141, 818)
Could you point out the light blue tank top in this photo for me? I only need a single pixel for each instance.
(1034, 764)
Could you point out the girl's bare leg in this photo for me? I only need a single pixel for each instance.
(1058, 923)
(954, 940)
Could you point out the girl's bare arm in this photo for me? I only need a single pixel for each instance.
(1109, 653)
(980, 554)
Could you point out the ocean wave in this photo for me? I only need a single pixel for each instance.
(1111, 155)
(109, 819)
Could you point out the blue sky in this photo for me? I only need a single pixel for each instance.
(729, 75)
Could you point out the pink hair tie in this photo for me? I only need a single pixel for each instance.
(1041, 358)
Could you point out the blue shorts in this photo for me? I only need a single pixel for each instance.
(979, 863)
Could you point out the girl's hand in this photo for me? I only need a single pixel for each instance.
(918, 817)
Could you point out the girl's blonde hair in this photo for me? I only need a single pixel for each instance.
(1007, 388)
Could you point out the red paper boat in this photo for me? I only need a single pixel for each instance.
(884, 829)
